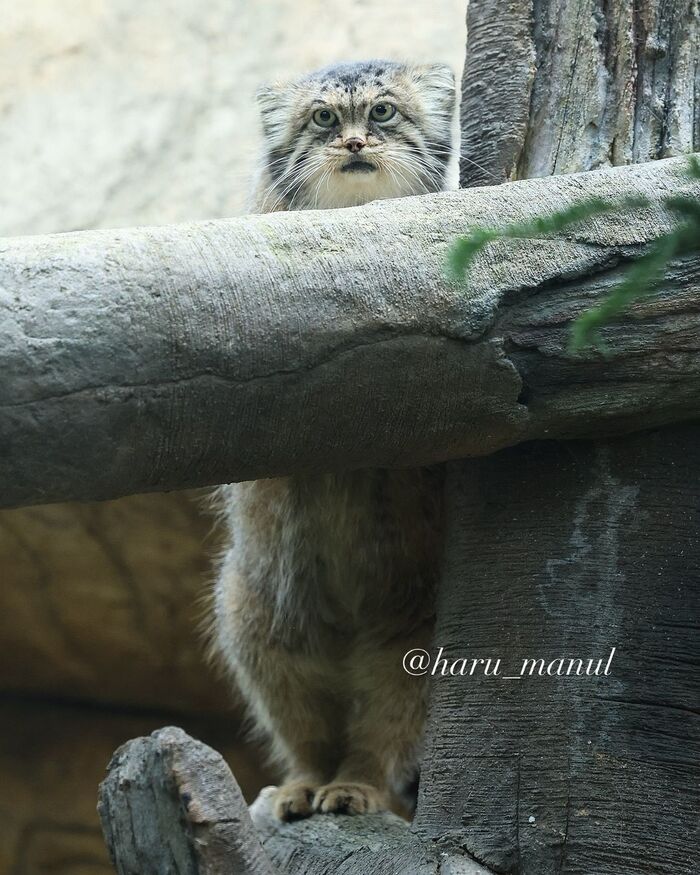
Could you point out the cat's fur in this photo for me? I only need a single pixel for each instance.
(329, 579)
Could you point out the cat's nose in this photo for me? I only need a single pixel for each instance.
(354, 144)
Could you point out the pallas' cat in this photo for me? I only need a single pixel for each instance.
(329, 579)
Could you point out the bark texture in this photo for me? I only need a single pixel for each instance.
(170, 805)
(164, 358)
(563, 87)
(364, 845)
(568, 550)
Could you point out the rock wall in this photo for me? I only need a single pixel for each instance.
(118, 112)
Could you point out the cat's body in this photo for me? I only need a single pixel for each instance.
(329, 579)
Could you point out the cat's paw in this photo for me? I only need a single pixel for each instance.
(348, 798)
(294, 800)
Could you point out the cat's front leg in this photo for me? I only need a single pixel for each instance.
(294, 703)
(384, 731)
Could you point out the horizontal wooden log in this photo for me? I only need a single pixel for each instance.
(369, 844)
(162, 358)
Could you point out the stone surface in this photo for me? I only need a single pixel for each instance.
(104, 602)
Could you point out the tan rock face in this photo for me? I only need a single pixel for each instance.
(52, 758)
(119, 113)
(104, 602)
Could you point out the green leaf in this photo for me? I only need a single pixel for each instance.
(640, 280)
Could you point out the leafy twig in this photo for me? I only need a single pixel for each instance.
(642, 276)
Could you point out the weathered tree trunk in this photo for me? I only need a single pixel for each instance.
(562, 87)
(566, 551)
(127, 355)
(569, 550)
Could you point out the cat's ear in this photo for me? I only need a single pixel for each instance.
(273, 102)
(438, 83)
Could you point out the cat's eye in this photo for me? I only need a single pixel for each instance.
(325, 118)
(382, 112)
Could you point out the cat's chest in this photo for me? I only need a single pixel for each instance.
(336, 540)
(341, 546)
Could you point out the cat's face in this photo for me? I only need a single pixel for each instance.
(353, 133)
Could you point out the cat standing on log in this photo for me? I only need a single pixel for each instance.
(329, 579)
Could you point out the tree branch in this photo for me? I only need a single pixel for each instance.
(164, 358)
(170, 804)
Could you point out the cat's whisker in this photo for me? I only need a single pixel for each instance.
(394, 171)
(301, 182)
(325, 177)
(293, 176)
(297, 178)
(462, 157)
(408, 166)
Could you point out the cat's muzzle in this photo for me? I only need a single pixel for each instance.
(358, 165)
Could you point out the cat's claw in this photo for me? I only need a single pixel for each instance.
(294, 800)
(348, 798)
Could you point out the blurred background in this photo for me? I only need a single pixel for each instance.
(114, 113)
